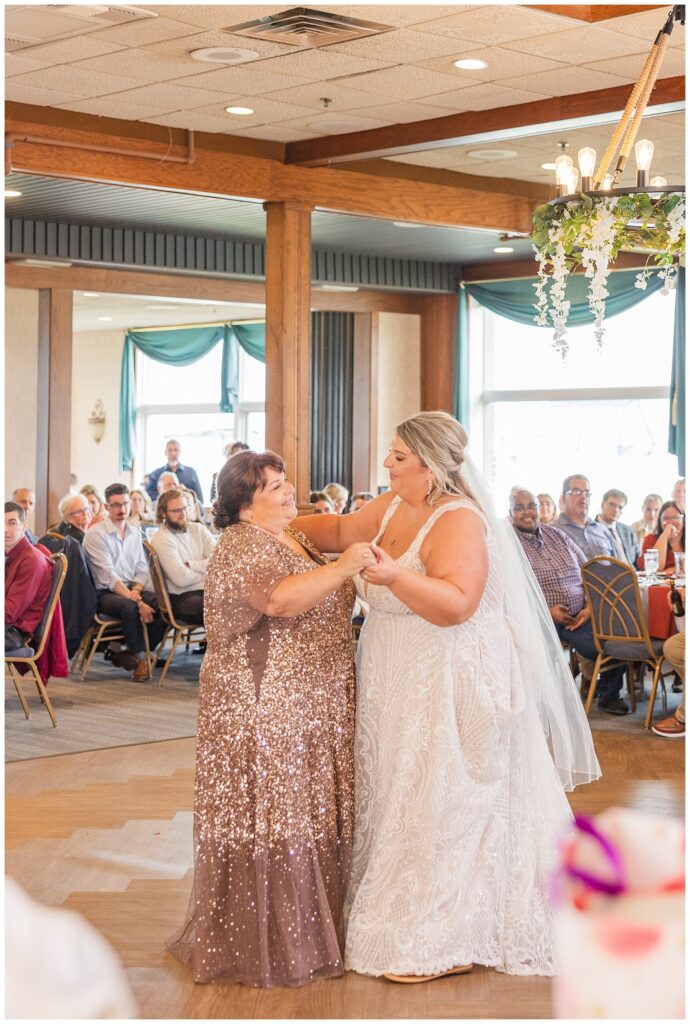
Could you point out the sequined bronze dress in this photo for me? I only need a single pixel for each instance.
(274, 774)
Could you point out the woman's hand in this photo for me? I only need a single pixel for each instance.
(354, 559)
(670, 532)
(384, 571)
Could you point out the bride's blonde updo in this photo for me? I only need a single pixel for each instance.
(439, 441)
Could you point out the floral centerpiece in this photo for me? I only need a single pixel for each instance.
(590, 231)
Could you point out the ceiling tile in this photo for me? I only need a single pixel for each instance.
(160, 98)
(265, 111)
(443, 158)
(276, 133)
(565, 82)
(314, 65)
(395, 14)
(578, 45)
(400, 113)
(17, 64)
(199, 40)
(401, 83)
(142, 64)
(216, 15)
(193, 121)
(401, 46)
(139, 33)
(327, 123)
(630, 67)
(483, 97)
(495, 24)
(65, 78)
(112, 106)
(647, 24)
(245, 79)
(65, 50)
(312, 95)
(502, 63)
(16, 93)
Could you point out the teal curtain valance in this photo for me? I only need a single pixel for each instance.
(182, 346)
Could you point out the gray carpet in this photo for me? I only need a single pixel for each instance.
(108, 709)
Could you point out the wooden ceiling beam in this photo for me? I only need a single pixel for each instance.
(245, 177)
(499, 124)
(595, 12)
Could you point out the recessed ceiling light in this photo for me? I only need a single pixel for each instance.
(405, 224)
(470, 64)
(491, 154)
(223, 55)
(548, 167)
(239, 111)
(504, 248)
(104, 318)
(11, 193)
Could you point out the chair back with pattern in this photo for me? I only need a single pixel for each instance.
(160, 587)
(42, 631)
(614, 597)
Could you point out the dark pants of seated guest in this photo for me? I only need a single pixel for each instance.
(189, 607)
(14, 638)
(582, 639)
(128, 612)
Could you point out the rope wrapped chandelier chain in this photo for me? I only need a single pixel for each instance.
(588, 226)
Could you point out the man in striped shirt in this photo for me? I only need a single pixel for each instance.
(556, 561)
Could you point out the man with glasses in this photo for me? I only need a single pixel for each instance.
(624, 537)
(592, 538)
(556, 562)
(183, 549)
(75, 513)
(115, 554)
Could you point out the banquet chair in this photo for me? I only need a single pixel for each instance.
(103, 629)
(181, 630)
(29, 655)
(619, 626)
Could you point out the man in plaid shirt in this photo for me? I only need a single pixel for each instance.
(556, 561)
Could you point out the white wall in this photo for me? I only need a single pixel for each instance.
(96, 363)
(398, 380)
(21, 387)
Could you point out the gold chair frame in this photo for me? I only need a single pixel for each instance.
(181, 630)
(609, 613)
(11, 663)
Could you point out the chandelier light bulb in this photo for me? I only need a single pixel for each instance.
(659, 181)
(606, 183)
(572, 181)
(644, 151)
(563, 166)
(587, 158)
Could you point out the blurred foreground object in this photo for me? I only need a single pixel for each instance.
(621, 937)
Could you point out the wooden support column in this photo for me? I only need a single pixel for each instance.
(53, 437)
(288, 338)
(439, 314)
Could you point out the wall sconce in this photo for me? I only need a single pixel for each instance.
(97, 421)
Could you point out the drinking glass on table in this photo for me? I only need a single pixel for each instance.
(651, 561)
(679, 562)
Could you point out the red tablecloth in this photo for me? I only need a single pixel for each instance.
(662, 624)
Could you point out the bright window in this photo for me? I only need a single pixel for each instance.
(537, 418)
(182, 402)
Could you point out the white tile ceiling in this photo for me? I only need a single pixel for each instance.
(143, 71)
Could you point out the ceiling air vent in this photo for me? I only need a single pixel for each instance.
(302, 26)
(28, 25)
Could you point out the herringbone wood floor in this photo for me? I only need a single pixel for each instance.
(108, 833)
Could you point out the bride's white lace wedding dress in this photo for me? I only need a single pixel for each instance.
(459, 807)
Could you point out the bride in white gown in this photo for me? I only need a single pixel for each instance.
(459, 798)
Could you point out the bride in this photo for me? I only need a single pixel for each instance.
(468, 728)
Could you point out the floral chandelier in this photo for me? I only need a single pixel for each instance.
(589, 226)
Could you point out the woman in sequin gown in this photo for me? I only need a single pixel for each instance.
(459, 806)
(273, 802)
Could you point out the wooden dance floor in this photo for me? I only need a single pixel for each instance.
(108, 833)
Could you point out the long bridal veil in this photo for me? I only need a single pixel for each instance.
(548, 681)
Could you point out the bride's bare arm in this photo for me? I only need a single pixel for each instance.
(456, 560)
(335, 533)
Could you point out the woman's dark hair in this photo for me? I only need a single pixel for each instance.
(659, 527)
(238, 481)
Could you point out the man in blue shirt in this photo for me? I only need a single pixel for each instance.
(592, 538)
(185, 474)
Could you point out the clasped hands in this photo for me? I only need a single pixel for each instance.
(560, 614)
(372, 563)
(146, 612)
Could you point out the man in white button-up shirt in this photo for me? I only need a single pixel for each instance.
(115, 554)
(184, 549)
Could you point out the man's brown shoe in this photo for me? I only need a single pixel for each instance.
(141, 672)
(671, 728)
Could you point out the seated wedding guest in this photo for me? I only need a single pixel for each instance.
(547, 509)
(650, 516)
(183, 548)
(184, 474)
(75, 516)
(359, 500)
(321, 502)
(166, 482)
(612, 505)
(556, 562)
(673, 727)
(338, 496)
(27, 499)
(668, 538)
(194, 513)
(591, 538)
(94, 499)
(115, 553)
(678, 494)
(141, 509)
(28, 581)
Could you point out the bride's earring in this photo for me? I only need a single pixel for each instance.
(430, 487)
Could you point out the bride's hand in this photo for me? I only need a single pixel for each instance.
(385, 572)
